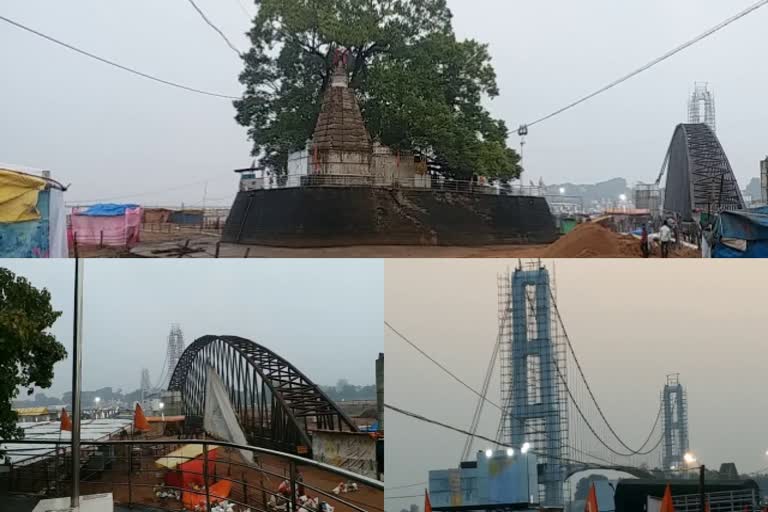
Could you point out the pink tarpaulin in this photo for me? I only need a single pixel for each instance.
(117, 231)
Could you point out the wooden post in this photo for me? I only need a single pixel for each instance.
(205, 476)
(247, 252)
(218, 247)
(130, 471)
(101, 239)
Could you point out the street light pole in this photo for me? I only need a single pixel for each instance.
(702, 496)
(77, 357)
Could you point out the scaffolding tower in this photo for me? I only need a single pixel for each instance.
(533, 370)
(701, 106)
(146, 384)
(675, 427)
(175, 348)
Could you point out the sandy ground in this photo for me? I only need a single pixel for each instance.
(586, 241)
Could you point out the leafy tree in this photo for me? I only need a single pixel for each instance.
(27, 351)
(582, 487)
(420, 88)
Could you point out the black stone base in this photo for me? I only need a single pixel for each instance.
(339, 216)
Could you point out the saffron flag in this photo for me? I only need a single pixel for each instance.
(427, 504)
(666, 503)
(140, 422)
(66, 423)
(591, 504)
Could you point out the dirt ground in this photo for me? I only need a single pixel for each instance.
(586, 241)
(249, 484)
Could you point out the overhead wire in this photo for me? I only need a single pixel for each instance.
(214, 27)
(446, 426)
(654, 62)
(115, 64)
(439, 365)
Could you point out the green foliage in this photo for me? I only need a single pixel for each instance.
(582, 488)
(419, 87)
(27, 351)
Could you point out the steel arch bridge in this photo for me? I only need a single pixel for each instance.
(276, 405)
(699, 175)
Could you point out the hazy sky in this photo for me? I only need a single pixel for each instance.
(324, 316)
(631, 323)
(117, 136)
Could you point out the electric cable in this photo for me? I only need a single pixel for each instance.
(652, 63)
(115, 64)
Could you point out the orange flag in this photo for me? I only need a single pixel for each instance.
(140, 422)
(427, 504)
(666, 503)
(66, 423)
(591, 504)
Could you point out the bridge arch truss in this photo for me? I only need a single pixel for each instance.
(699, 175)
(276, 405)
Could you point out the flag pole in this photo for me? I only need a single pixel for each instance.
(77, 356)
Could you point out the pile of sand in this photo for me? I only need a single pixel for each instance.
(595, 241)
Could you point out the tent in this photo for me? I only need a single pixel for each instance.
(32, 216)
(741, 234)
(115, 225)
(185, 465)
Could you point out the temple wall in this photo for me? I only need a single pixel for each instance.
(338, 216)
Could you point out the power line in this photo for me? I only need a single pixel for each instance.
(658, 60)
(214, 27)
(499, 443)
(446, 370)
(405, 486)
(115, 64)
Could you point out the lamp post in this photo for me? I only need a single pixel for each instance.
(524, 450)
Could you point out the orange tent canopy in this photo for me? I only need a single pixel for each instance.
(666, 502)
(217, 492)
(139, 420)
(591, 504)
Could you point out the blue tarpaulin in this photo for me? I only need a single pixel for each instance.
(747, 226)
(107, 210)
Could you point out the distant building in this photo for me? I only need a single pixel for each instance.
(496, 479)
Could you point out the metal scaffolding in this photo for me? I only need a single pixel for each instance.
(675, 425)
(533, 372)
(175, 348)
(701, 106)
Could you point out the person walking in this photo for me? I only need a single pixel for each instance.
(644, 248)
(665, 237)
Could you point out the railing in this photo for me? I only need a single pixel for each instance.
(273, 482)
(417, 182)
(722, 501)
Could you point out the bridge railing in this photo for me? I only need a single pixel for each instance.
(371, 181)
(273, 482)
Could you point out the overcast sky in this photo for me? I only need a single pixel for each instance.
(631, 324)
(115, 136)
(324, 316)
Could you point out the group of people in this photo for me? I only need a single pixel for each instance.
(668, 236)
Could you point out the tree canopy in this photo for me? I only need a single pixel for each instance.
(27, 350)
(420, 88)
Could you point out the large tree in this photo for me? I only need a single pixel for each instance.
(420, 88)
(27, 350)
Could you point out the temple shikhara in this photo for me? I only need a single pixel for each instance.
(341, 150)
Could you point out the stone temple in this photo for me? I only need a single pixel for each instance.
(344, 188)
